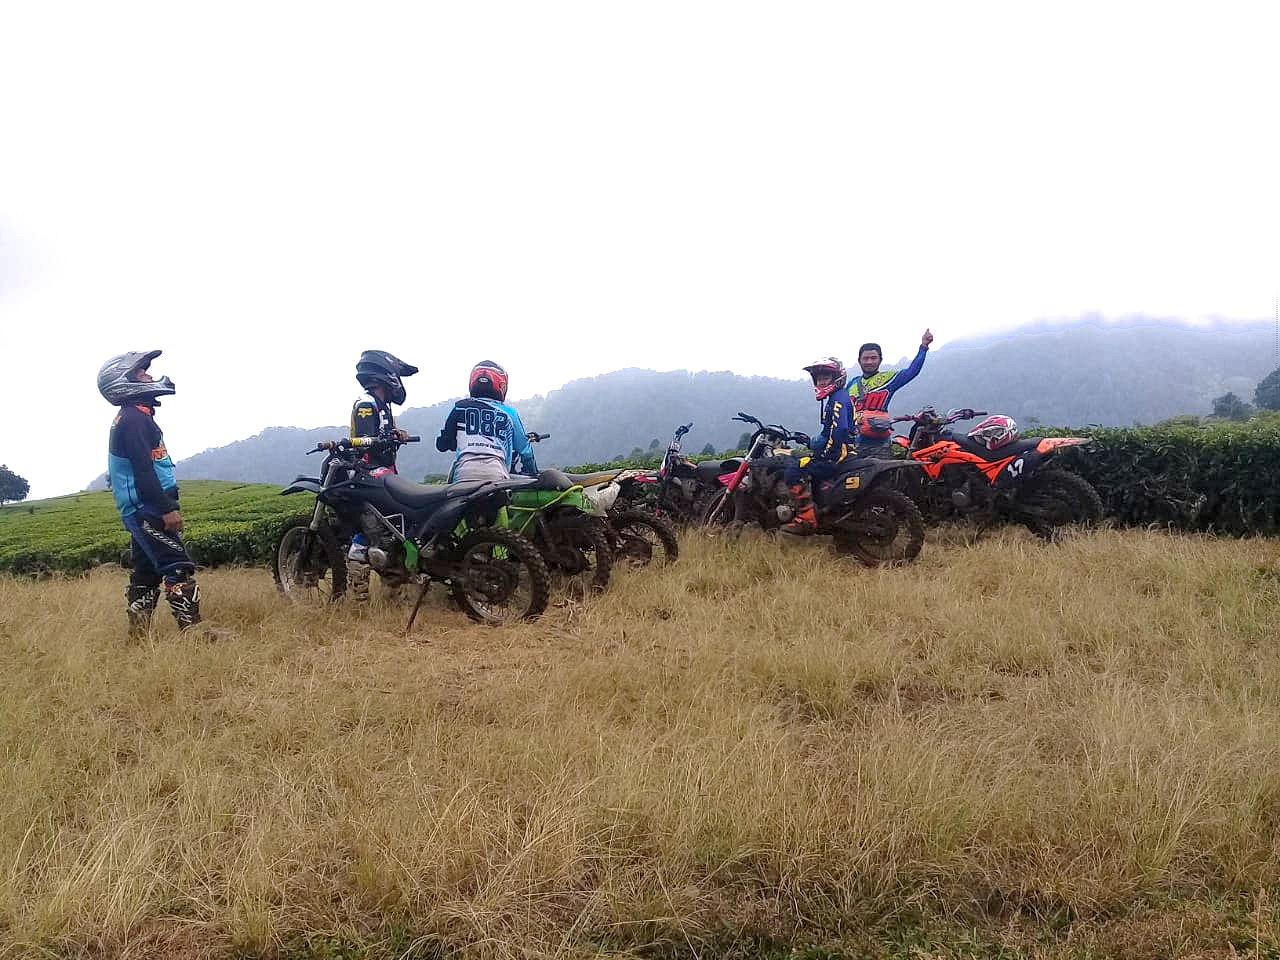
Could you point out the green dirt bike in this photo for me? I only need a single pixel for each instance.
(552, 511)
(636, 536)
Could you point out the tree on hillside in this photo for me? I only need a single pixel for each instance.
(1267, 396)
(1230, 407)
(707, 450)
(12, 486)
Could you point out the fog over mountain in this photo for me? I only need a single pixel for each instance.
(1077, 373)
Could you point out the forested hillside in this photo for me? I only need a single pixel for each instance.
(1114, 374)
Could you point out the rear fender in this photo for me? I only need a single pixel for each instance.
(1049, 444)
(865, 473)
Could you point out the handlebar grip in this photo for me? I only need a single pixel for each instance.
(414, 439)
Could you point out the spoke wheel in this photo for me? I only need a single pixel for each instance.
(719, 511)
(1055, 501)
(577, 553)
(501, 577)
(886, 529)
(641, 538)
(309, 565)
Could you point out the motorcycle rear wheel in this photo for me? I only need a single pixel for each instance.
(310, 565)
(886, 529)
(501, 577)
(641, 538)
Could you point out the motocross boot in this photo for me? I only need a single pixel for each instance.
(805, 521)
(141, 601)
(184, 602)
(358, 580)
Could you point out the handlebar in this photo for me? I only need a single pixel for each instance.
(537, 437)
(361, 443)
(929, 415)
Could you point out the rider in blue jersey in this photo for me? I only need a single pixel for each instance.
(145, 487)
(485, 431)
(872, 392)
(831, 447)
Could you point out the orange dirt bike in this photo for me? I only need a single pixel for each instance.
(867, 509)
(991, 474)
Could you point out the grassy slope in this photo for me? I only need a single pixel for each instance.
(1051, 751)
(84, 528)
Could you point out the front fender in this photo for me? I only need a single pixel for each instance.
(303, 485)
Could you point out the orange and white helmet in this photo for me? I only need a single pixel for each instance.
(995, 431)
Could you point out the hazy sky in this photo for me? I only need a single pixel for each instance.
(263, 190)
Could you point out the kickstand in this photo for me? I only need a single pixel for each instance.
(422, 593)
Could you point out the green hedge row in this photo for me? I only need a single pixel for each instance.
(1222, 478)
(226, 523)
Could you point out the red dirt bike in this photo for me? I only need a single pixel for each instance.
(997, 477)
(678, 490)
(867, 509)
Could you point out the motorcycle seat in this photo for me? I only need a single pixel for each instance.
(708, 470)
(591, 479)
(420, 495)
(554, 480)
(1008, 450)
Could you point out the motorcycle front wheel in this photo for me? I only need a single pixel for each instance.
(310, 565)
(500, 577)
(885, 528)
(640, 538)
(719, 511)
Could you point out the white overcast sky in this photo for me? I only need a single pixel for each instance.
(263, 189)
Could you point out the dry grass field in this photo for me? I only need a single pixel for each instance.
(1007, 749)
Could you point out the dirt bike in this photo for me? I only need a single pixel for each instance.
(1011, 479)
(636, 536)
(679, 489)
(444, 534)
(552, 510)
(867, 508)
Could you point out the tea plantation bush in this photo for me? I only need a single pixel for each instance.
(225, 522)
(1223, 478)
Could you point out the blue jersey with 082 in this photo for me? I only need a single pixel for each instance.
(478, 428)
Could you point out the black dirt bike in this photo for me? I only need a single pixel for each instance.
(443, 534)
(867, 509)
(679, 489)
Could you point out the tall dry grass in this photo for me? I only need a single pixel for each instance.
(1053, 751)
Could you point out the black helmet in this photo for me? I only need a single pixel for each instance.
(380, 367)
(116, 383)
